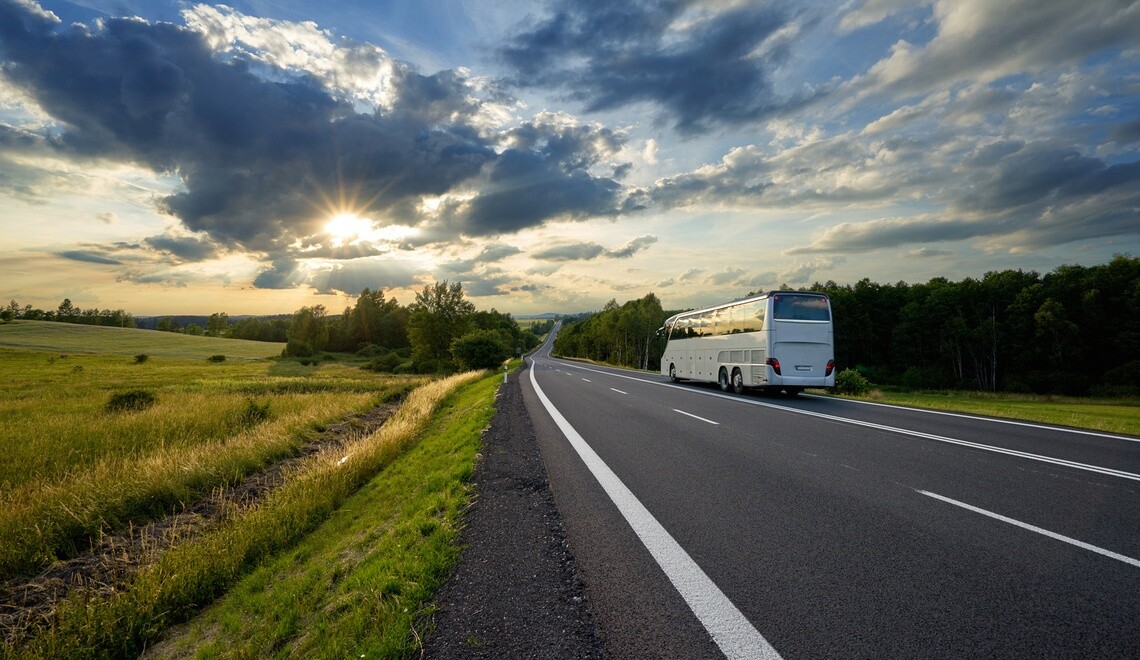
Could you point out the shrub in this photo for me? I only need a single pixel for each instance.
(850, 381)
(371, 351)
(297, 348)
(217, 358)
(386, 363)
(141, 357)
(254, 412)
(482, 349)
(131, 400)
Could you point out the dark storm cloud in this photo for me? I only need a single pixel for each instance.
(186, 248)
(1128, 132)
(263, 152)
(710, 71)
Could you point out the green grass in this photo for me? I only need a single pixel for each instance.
(380, 585)
(1107, 415)
(70, 469)
(92, 339)
(361, 584)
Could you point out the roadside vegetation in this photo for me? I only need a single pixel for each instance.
(151, 487)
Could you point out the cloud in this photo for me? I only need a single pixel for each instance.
(273, 127)
(703, 65)
(585, 251)
(979, 40)
(570, 252)
(89, 257)
(186, 248)
(496, 252)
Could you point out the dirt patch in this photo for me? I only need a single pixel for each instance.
(27, 604)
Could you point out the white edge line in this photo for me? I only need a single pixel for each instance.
(1033, 528)
(894, 429)
(732, 632)
(696, 417)
(998, 420)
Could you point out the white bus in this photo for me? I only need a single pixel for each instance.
(780, 340)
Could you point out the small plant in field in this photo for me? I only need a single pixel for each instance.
(217, 358)
(851, 382)
(77, 369)
(254, 412)
(131, 400)
(141, 357)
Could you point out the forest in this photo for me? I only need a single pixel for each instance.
(1072, 331)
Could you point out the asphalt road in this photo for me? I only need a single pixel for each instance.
(707, 524)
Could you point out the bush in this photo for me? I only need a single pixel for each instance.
(297, 348)
(371, 351)
(217, 358)
(387, 363)
(254, 412)
(850, 381)
(141, 357)
(482, 349)
(131, 400)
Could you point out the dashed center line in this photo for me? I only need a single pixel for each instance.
(618, 391)
(708, 421)
(1033, 528)
(587, 380)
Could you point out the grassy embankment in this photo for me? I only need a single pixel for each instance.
(71, 471)
(1106, 415)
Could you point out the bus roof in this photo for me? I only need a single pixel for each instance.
(759, 296)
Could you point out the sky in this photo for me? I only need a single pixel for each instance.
(172, 157)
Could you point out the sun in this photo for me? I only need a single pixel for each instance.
(345, 228)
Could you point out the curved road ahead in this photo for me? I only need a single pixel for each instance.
(711, 525)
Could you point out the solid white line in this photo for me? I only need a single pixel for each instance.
(894, 429)
(618, 391)
(696, 417)
(1033, 528)
(997, 420)
(729, 628)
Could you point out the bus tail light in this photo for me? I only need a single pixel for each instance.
(775, 364)
(830, 367)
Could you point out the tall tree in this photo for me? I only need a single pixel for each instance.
(439, 316)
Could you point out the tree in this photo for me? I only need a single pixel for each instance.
(66, 311)
(167, 324)
(439, 316)
(308, 333)
(218, 324)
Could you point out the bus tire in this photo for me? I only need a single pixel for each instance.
(793, 391)
(722, 380)
(737, 381)
(673, 374)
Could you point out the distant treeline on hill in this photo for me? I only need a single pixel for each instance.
(440, 332)
(1075, 330)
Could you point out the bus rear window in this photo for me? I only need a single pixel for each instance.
(797, 307)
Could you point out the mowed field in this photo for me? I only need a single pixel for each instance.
(118, 521)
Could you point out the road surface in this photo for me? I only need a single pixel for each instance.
(709, 525)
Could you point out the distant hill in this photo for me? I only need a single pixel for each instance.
(48, 336)
(542, 317)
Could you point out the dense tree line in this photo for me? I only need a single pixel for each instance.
(440, 332)
(625, 334)
(69, 313)
(1075, 330)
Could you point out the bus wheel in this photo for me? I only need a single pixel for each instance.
(737, 381)
(722, 380)
(793, 391)
(673, 374)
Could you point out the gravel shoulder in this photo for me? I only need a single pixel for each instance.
(516, 591)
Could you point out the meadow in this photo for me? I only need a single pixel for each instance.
(75, 470)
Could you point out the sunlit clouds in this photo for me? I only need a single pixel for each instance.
(169, 157)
